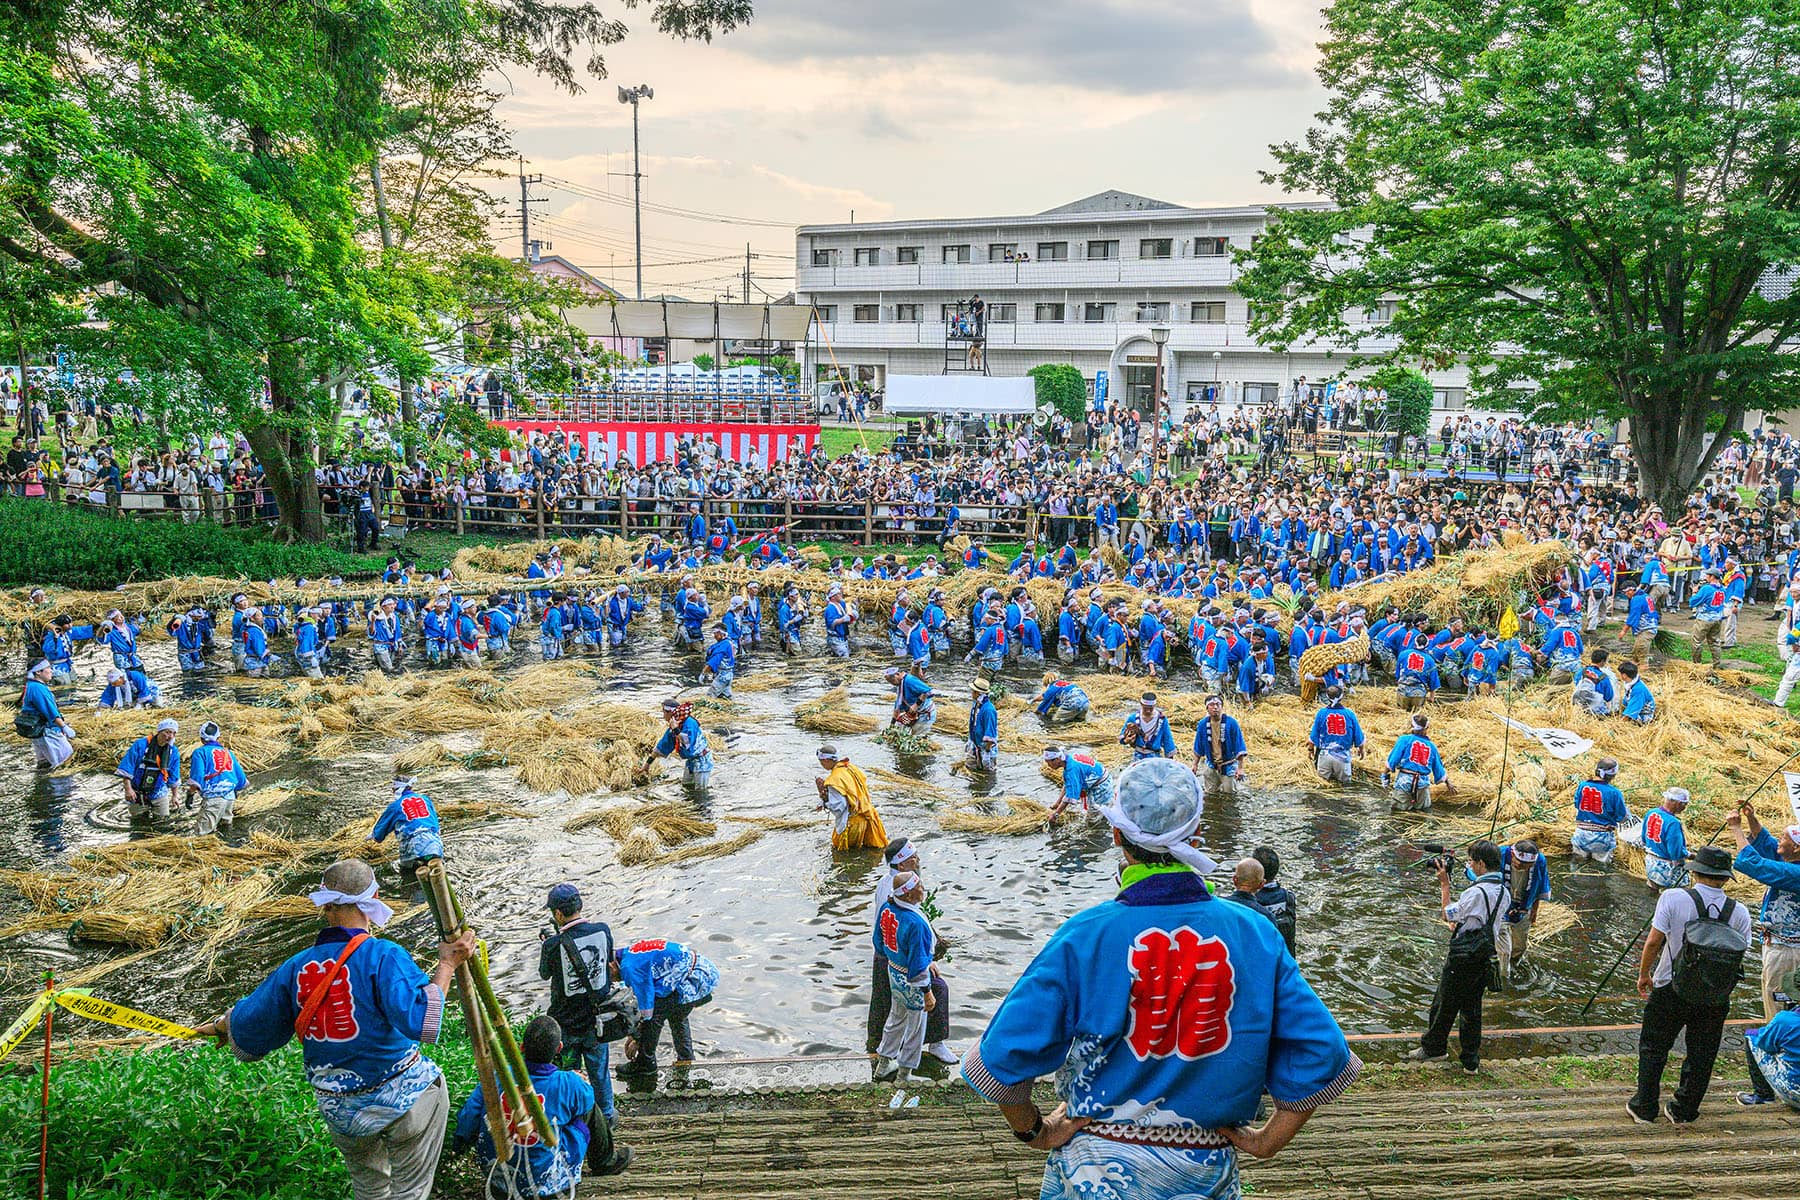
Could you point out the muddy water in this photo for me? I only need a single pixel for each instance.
(787, 920)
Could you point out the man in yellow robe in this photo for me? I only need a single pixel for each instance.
(844, 792)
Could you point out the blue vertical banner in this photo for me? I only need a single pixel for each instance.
(1099, 391)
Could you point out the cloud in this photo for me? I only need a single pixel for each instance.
(1126, 47)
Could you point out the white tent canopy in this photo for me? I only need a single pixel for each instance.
(693, 319)
(958, 394)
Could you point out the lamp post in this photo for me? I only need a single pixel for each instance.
(1159, 334)
(631, 96)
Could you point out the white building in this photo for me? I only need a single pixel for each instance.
(1085, 284)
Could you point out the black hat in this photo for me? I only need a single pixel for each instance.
(1710, 861)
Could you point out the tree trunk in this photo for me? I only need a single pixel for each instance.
(288, 470)
(1673, 448)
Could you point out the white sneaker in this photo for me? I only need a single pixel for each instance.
(942, 1053)
(886, 1069)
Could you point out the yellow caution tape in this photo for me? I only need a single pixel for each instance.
(17, 1031)
(77, 1001)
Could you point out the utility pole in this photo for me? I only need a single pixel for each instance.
(525, 203)
(631, 96)
(746, 272)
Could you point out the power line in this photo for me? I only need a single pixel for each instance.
(691, 214)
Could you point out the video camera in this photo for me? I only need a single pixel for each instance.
(1438, 855)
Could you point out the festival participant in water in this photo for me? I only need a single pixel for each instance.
(413, 818)
(1084, 781)
(192, 637)
(309, 648)
(360, 1008)
(1638, 704)
(1599, 811)
(905, 941)
(1527, 877)
(215, 777)
(1220, 752)
(1061, 700)
(467, 633)
(844, 793)
(1594, 690)
(1413, 767)
(790, 618)
(151, 770)
(387, 636)
(120, 636)
(1665, 841)
(434, 629)
(551, 629)
(497, 625)
(915, 706)
(1147, 731)
(991, 643)
(621, 609)
(59, 648)
(1415, 677)
(41, 722)
(1159, 1074)
(668, 981)
(256, 645)
(129, 689)
(1336, 735)
(981, 744)
(685, 739)
(721, 662)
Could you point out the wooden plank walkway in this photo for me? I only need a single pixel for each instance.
(1523, 1144)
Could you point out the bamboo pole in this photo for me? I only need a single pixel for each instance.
(478, 1042)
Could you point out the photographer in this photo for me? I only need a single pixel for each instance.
(575, 956)
(1467, 968)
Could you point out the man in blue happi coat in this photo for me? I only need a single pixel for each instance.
(1165, 1015)
(360, 1007)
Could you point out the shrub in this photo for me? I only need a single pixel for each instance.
(1062, 387)
(49, 544)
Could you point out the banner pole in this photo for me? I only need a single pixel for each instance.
(44, 1101)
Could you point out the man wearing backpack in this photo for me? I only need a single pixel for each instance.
(1470, 963)
(1692, 960)
(574, 956)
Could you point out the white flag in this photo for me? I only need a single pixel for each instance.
(1793, 789)
(1559, 742)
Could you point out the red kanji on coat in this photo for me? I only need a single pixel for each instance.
(890, 930)
(1590, 800)
(1181, 993)
(1336, 725)
(335, 1019)
(1653, 826)
(414, 808)
(1419, 754)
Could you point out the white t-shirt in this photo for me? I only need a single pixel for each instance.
(1674, 909)
(1473, 908)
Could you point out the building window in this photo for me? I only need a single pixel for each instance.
(825, 258)
(827, 312)
(1452, 398)
(1381, 312)
(1049, 312)
(947, 312)
(906, 255)
(1261, 393)
(1098, 314)
(1103, 249)
(867, 314)
(1148, 311)
(868, 256)
(1208, 312)
(909, 314)
(1053, 252)
(1002, 251)
(1156, 248)
(1002, 314)
(956, 254)
(1210, 247)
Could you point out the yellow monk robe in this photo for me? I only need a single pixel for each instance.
(865, 830)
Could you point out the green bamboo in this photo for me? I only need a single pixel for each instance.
(479, 1043)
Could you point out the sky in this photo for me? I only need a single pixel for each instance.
(872, 110)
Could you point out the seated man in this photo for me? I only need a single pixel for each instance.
(537, 1168)
(1773, 1052)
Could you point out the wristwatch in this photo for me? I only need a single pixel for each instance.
(1031, 1135)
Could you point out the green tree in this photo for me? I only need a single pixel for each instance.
(1579, 197)
(1061, 387)
(201, 177)
(1409, 398)
(703, 361)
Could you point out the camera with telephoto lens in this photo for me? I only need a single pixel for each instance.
(1445, 862)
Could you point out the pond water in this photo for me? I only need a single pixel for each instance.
(786, 919)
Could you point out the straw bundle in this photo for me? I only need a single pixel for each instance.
(903, 740)
(775, 824)
(1321, 658)
(1553, 918)
(671, 822)
(479, 810)
(904, 784)
(1021, 817)
(830, 713)
(622, 767)
(268, 799)
(640, 849)
(719, 849)
(423, 757)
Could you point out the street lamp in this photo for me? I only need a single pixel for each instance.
(1159, 335)
(631, 96)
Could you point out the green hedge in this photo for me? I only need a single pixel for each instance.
(51, 545)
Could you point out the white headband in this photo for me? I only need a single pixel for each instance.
(905, 852)
(402, 782)
(377, 912)
(904, 881)
(1174, 842)
(1053, 754)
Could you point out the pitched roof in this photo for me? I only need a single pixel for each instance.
(1111, 200)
